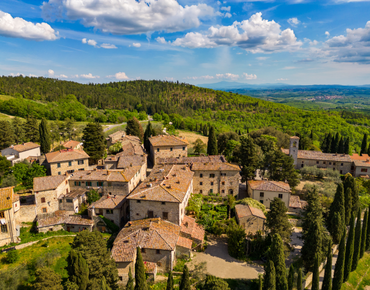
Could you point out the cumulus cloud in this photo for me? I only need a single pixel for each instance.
(108, 46)
(327, 33)
(206, 77)
(136, 44)
(88, 76)
(227, 76)
(20, 28)
(249, 77)
(227, 9)
(92, 42)
(293, 21)
(63, 76)
(51, 73)
(161, 40)
(256, 35)
(130, 16)
(227, 15)
(84, 40)
(119, 76)
(281, 79)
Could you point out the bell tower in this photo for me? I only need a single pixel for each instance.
(293, 149)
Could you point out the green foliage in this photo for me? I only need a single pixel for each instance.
(348, 205)
(47, 279)
(269, 281)
(31, 129)
(291, 277)
(340, 264)
(44, 137)
(134, 128)
(277, 256)
(299, 279)
(111, 225)
(12, 256)
(214, 283)
(212, 142)
(248, 157)
(115, 148)
(92, 196)
(18, 130)
(364, 145)
(350, 182)
(254, 203)
(337, 215)
(326, 284)
(185, 279)
(140, 279)
(236, 242)
(78, 271)
(277, 220)
(199, 146)
(130, 281)
(349, 249)
(357, 243)
(94, 142)
(316, 274)
(9, 180)
(223, 141)
(169, 282)
(7, 137)
(364, 234)
(149, 132)
(368, 231)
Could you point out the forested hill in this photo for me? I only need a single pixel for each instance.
(54, 99)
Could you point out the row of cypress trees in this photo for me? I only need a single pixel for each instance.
(335, 144)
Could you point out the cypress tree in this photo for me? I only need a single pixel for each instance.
(340, 264)
(299, 279)
(278, 258)
(349, 249)
(212, 142)
(326, 284)
(291, 277)
(357, 243)
(341, 146)
(169, 282)
(348, 205)
(185, 279)
(31, 129)
(311, 135)
(78, 270)
(368, 231)
(324, 144)
(7, 137)
(140, 279)
(134, 128)
(130, 282)
(336, 219)
(44, 137)
(316, 274)
(18, 130)
(269, 281)
(205, 130)
(104, 285)
(94, 141)
(260, 283)
(328, 143)
(364, 145)
(346, 146)
(335, 143)
(364, 235)
(149, 132)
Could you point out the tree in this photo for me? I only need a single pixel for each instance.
(130, 282)
(260, 282)
(5, 165)
(357, 242)
(278, 258)
(199, 146)
(281, 168)
(104, 285)
(78, 271)
(341, 146)
(316, 274)
(212, 142)
(6, 135)
(140, 279)
(291, 277)
(134, 128)
(44, 136)
(31, 129)
(94, 142)
(368, 231)
(205, 130)
(269, 281)
(248, 159)
(224, 138)
(340, 264)
(47, 279)
(12, 256)
(299, 279)
(214, 283)
(149, 132)
(69, 127)
(349, 249)
(169, 282)
(326, 285)
(364, 145)
(92, 196)
(364, 235)
(236, 241)
(346, 146)
(185, 279)
(337, 215)
(349, 182)
(9, 180)
(348, 205)
(18, 130)
(277, 220)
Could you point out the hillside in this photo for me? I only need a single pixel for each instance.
(55, 99)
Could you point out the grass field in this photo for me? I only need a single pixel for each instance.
(5, 97)
(359, 278)
(192, 136)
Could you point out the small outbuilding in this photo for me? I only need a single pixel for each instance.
(250, 218)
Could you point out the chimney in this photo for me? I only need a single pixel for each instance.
(129, 224)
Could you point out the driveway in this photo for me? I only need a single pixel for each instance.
(221, 264)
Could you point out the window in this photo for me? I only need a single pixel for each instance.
(120, 278)
(201, 175)
(138, 201)
(261, 201)
(2, 215)
(223, 191)
(43, 200)
(329, 163)
(341, 172)
(212, 175)
(317, 162)
(60, 200)
(341, 164)
(302, 165)
(77, 183)
(280, 196)
(163, 202)
(171, 149)
(69, 200)
(211, 190)
(109, 183)
(262, 194)
(201, 183)
(157, 149)
(223, 182)
(143, 250)
(88, 183)
(109, 211)
(58, 165)
(99, 183)
(69, 163)
(59, 173)
(333, 163)
(324, 162)
(211, 183)
(200, 191)
(80, 162)
(44, 209)
(4, 228)
(165, 215)
(183, 148)
(157, 251)
(150, 214)
(363, 169)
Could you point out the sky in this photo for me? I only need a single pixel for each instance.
(248, 41)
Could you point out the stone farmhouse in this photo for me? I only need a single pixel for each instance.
(212, 174)
(111, 207)
(265, 191)
(21, 152)
(72, 144)
(73, 200)
(250, 218)
(115, 137)
(332, 161)
(360, 165)
(9, 211)
(167, 146)
(66, 161)
(164, 193)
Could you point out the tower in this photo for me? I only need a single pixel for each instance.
(293, 149)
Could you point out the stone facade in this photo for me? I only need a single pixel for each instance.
(9, 211)
(111, 207)
(265, 191)
(73, 200)
(167, 147)
(249, 218)
(66, 161)
(61, 168)
(21, 152)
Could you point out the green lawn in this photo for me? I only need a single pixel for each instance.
(5, 97)
(359, 278)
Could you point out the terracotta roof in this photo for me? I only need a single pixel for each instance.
(25, 146)
(168, 183)
(294, 137)
(106, 175)
(48, 182)
(361, 161)
(168, 140)
(214, 166)
(129, 161)
(109, 201)
(318, 155)
(269, 185)
(76, 192)
(62, 217)
(190, 227)
(190, 160)
(6, 198)
(117, 134)
(242, 210)
(66, 155)
(71, 144)
(296, 202)
(184, 242)
(152, 233)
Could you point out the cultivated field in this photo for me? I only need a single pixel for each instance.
(191, 137)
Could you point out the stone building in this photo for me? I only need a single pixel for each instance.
(360, 165)
(72, 144)
(48, 191)
(330, 161)
(212, 174)
(9, 211)
(21, 152)
(265, 191)
(73, 200)
(164, 193)
(66, 161)
(167, 146)
(111, 207)
(191, 231)
(115, 137)
(250, 218)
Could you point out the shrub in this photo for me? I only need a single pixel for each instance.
(12, 256)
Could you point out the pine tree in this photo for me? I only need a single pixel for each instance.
(47, 279)
(336, 219)
(357, 243)
(346, 146)
(348, 205)
(78, 270)
(31, 129)
(291, 277)
(364, 235)
(130, 282)
(169, 282)
(364, 145)
(341, 146)
(6, 135)
(278, 257)
(149, 132)
(299, 279)
(316, 274)
(140, 279)
(134, 128)
(269, 280)
(185, 279)
(349, 249)
(212, 142)
(44, 136)
(340, 264)
(18, 130)
(326, 285)
(94, 141)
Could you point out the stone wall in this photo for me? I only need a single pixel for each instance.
(163, 259)
(252, 224)
(115, 217)
(51, 203)
(10, 236)
(139, 210)
(64, 166)
(342, 167)
(268, 196)
(223, 185)
(167, 152)
(118, 188)
(27, 213)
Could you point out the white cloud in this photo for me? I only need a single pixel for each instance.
(293, 21)
(262, 57)
(84, 40)
(88, 76)
(249, 77)
(108, 46)
(121, 76)
(63, 76)
(227, 15)
(228, 76)
(207, 77)
(51, 73)
(327, 33)
(169, 79)
(161, 40)
(136, 44)
(20, 28)
(281, 79)
(129, 16)
(289, 67)
(226, 8)
(92, 42)
(256, 35)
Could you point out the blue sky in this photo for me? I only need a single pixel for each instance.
(254, 42)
